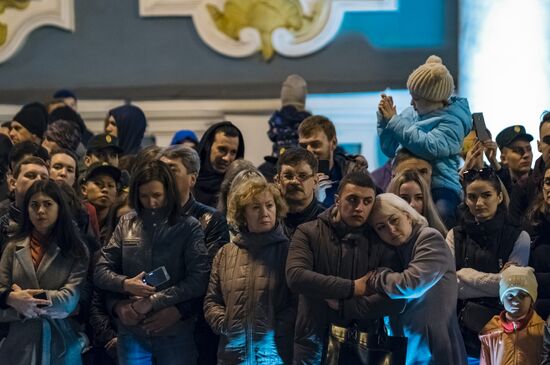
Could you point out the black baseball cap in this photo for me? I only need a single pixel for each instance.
(102, 168)
(103, 141)
(510, 134)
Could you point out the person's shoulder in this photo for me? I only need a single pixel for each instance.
(493, 327)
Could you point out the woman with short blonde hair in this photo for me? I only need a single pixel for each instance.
(248, 302)
(427, 281)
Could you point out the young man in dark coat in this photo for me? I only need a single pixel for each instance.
(327, 261)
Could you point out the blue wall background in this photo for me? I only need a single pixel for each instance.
(116, 54)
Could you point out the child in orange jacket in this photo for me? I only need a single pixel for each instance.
(514, 336)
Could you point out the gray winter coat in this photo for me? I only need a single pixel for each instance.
(42, 340)
(429, 285)
(248, 302)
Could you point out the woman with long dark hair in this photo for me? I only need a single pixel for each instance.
(41, 273)
(154, 236)
(483, 244)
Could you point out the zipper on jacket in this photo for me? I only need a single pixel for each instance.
(250, 356)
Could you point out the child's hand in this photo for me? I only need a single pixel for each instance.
(386, 107)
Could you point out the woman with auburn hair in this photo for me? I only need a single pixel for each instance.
(412, 188)
(248, 301)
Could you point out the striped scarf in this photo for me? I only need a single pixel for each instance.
(39, 244)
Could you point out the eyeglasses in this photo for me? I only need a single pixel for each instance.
(300, 177)
(485, 174)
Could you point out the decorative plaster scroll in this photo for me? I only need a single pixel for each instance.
(322, 20)
(21, 22)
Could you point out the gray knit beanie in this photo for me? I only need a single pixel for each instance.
(294, 92)
(431, 81)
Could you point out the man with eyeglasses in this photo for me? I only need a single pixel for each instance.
(524, 194)
(516, 155)
(297, 179)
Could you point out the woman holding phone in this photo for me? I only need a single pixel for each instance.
(41, 273)
(156, 239)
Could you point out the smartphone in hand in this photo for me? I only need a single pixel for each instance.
(156, 277)
(43, 296)
(480, 127)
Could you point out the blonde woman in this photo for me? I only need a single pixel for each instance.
(412, 188)
(427, 282)
(248, 302)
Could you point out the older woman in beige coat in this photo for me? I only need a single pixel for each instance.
(41, 272)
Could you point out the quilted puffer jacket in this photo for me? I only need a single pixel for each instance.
(248, 302)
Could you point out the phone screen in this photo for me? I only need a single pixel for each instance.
(156, 277)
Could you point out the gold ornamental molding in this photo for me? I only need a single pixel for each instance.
(18, 18)
(240, 28)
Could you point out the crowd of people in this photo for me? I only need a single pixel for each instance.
(114, 253)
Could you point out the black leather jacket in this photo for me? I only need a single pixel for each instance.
(213, 223)
(145, 244)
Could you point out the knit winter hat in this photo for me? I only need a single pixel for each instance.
(66, 134)
(431, 81)
(294, 91)
(516, 277)
(34, 117)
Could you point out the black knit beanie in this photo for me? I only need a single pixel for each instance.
(34, 117)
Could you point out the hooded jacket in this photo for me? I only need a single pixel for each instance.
(131, 124)
(248, 302)
(324, 259)
(436, 137)
(209, 180)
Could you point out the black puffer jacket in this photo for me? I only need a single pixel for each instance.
(143, 245)
(323, 260)
(248, 302)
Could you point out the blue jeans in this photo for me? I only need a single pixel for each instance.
(446, 201)
(163, 350)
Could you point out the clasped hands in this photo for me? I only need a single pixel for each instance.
(136, 310)
(24, 302)
(361, 288)
(386, 107)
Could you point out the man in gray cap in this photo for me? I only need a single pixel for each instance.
(516, 155)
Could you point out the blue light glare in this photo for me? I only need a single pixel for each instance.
(504, 61)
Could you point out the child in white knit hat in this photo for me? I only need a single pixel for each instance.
(514, 336)
(433, 129)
